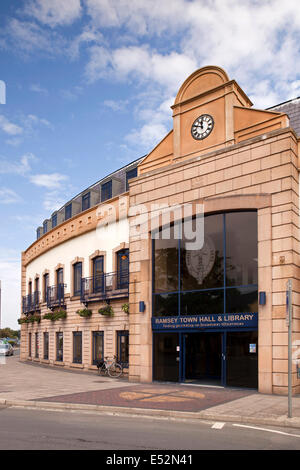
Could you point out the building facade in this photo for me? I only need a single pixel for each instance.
(212, 312)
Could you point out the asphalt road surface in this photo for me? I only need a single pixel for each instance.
(59, 430)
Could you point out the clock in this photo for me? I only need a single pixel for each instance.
(202, 126)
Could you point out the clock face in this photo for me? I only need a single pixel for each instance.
(202, 127)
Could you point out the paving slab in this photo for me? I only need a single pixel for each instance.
(154, 396)
(38, 386)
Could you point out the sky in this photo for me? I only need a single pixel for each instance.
(89, 85)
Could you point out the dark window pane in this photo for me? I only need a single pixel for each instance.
(242, 359)
(242, 299)
(106, 191)
(165, 305)
(86, 201)
(130, 174)
(60, 276)
(46, 345)
(204, 268)
(123, 347)
(68, 211)
(54, 220)
(59, 346)
(166, 263)
(98, 276)
(166, 356)
(77, 347)
(98, 346)
(45, 226)
(46, 285)
(241, 248)
(202, 302)
(36, 345)
(77, 278)
(123, 269)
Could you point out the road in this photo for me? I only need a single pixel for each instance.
(59, 430)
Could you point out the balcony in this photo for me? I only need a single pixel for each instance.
(56, 296)
(105, 286)
(31, 303)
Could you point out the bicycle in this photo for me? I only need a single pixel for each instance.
(113, 369)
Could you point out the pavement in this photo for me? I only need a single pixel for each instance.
(32, 385)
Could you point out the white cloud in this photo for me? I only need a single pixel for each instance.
(21, 167)
(9, 196)
(118, 106)
(35, 87)
(54, 12)
(9, 127)
(49, 181)
(53, 201)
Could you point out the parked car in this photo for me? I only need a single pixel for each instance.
(6, 349)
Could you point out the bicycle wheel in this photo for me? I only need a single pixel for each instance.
(115, 370)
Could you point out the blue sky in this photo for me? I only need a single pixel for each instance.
(89, 84)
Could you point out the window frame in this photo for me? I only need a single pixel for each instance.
(77, 271)
(122, 334)
(68, 211)
(77, 360)
(58, 335)
(129, 177)
(180, 293)
(106, 191)
(84, 198)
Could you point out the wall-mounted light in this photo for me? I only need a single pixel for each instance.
(262, 298)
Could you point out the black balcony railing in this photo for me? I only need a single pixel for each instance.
(56, 296)
(31, 302)
(104, 286)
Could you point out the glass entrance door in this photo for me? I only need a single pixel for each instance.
(166, 357)
(203, 358)
(242, 359)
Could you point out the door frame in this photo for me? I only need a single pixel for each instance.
(182, 352)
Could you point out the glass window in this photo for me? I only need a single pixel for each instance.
(98, 346)
(46, 345)
(230, 244)
(242, 363)
(106, 191)
(36, 345)
(130, 174)
(98, 274)
(166, 263)
(59, 346)
(54, 220)
(241, 248)
(46, 285)
(202, 302)
(123, 269)
(38, 233)
(123, 347)
(60, 276)
(166, 356)
(68, 211)
(45, 227)
(204, 268)
(29, 344)
(165, 305)
(77, 347)
(86, 201)
(242, 299)
(77, 278)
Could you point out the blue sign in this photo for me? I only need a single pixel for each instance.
(227, 320)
